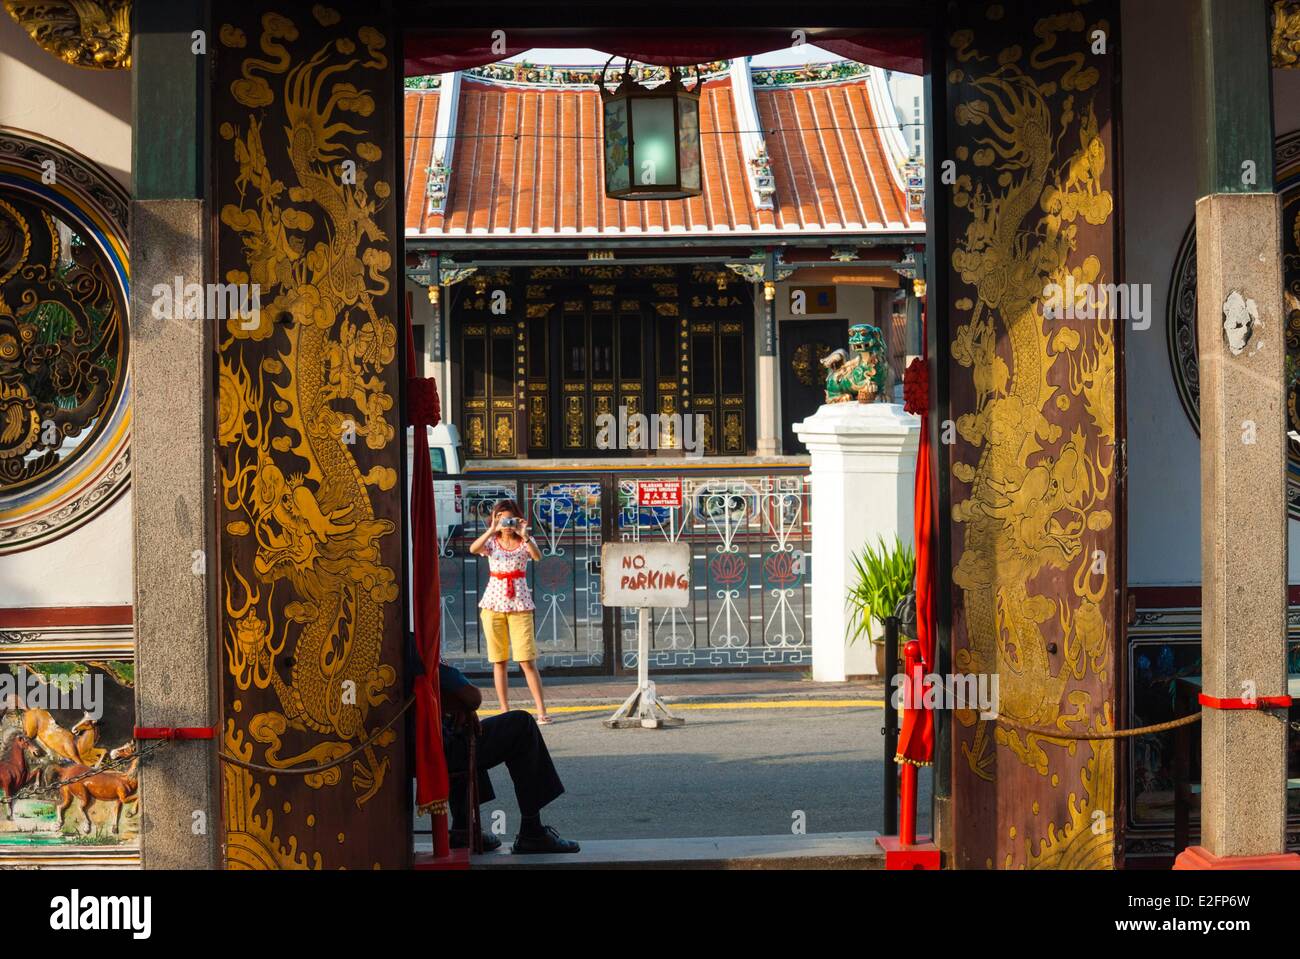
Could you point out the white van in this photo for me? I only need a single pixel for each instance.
(448, 494)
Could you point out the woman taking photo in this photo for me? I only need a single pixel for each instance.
(507, 604)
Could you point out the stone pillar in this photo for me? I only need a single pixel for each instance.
(172, 442)
(863, 481)
(767, 397)
(769, 414)
(1240, 325)
(1243, 525)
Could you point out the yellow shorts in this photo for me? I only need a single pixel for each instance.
(506, 633)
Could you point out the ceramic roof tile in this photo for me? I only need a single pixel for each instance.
(528, 162)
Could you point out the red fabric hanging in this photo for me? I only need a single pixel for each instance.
(916, 735)
(444, 51)
(431, 781)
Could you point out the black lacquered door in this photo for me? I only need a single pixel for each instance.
(601, 369)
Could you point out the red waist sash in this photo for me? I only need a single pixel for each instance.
(510, 578)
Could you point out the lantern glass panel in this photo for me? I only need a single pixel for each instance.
(654, 141)
(688, 142)
(617, 176)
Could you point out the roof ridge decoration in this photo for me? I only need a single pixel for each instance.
(835, 71)
(908, 173)
(443, 149)
(753, 144)
(524, 73)
(576, 75)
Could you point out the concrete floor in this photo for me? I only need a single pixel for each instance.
(728, 772)
(856, 850)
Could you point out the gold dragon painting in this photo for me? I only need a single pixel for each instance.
(1035, 411)
(306, 430)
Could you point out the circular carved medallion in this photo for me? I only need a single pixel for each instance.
(64, 412)
(1181, 320)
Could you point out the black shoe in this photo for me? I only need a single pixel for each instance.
(546, 841)
(460, 840)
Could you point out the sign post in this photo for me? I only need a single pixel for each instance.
(643, 576)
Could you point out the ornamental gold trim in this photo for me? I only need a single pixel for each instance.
(95, 34)
(1286, 34)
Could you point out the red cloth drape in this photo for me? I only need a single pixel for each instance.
(916, 736)
(443, 51)
(431, 783)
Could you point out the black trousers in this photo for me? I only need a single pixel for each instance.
(511, 738)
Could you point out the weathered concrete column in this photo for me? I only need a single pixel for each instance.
(863, 478)
(1242, 350)
(1243, 523)
(767, 399)
(171, 442)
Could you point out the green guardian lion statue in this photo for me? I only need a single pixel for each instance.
(861, 377)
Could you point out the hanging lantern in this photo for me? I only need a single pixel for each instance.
(652, 138)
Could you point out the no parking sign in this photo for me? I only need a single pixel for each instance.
(643, 576)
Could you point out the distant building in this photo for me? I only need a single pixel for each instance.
(561, 305)
(907, 91)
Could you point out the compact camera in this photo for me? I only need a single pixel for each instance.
(510, 522)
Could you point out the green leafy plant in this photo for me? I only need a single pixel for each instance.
(883, 575)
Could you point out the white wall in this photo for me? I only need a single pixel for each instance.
(1164, 501)
(90, 566)
(854, 303)
(422, 311)
(88, 111)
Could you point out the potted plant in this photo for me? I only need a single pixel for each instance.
(883, 575)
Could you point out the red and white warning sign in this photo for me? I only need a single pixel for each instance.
(659, 492)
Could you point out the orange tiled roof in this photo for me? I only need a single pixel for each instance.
(528, 162)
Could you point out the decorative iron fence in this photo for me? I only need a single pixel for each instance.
(750, 541)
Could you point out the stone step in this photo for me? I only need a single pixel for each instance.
(844, 850)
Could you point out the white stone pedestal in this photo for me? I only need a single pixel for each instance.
(863, 476)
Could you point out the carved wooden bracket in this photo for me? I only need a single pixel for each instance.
(84, 33)
(1286, 34)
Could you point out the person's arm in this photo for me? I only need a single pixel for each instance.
(531, 543)
(460, 697)
(468, 698)
(479, 546)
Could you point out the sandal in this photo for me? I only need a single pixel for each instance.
(545, 721)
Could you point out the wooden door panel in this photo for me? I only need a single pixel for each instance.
(1031, 117)
(310, 516)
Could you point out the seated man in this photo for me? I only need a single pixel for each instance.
(511, 738)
